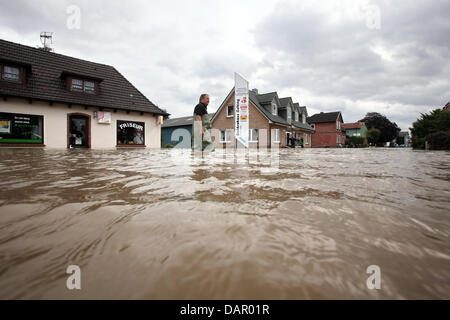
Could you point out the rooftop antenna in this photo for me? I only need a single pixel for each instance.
(45, 38)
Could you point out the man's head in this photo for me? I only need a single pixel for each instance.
(204, 98)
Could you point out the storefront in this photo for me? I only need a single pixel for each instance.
(55, 101)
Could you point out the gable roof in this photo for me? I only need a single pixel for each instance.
(285, 102)
(258, 101)
(46, 72)
(181, 121)
(324, 117)
(356, 125)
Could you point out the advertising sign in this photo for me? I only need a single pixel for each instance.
(242, 105)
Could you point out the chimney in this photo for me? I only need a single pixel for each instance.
(255, 91)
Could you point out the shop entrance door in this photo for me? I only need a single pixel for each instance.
(78, 131)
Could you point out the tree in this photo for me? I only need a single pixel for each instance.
(373, 135)
(388, 130)
(434, 128)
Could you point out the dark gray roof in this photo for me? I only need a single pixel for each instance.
(180, 122)
(276, 119)
(267, 97)
(324, 117)
(285, 102)
(45, 80)
(302, 125)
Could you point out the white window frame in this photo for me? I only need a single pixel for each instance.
(276, 133)
(306, 138)
(228, 111)
(78, 87)
(225, 136)
(274, 109)
(251, 138)
(9, 75)
(296, 116)
(289, 113)
(303, 118)
(88, 90)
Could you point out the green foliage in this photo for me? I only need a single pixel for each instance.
(169, 146)
(373, 136)
(439, 140)
(433, 128)
(354, 142)
(388, 130)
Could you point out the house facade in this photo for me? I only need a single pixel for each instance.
(357, 129)
(56, 101)
(328, 129)
(272, 122)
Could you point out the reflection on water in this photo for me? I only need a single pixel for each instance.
(164, 224)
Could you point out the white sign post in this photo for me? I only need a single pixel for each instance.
(242, 110)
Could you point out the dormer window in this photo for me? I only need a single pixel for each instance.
(289, 113)
(89, 87)
(303, 118)
(11, 73)
(296, 116)
(274, 109)
(79, 85)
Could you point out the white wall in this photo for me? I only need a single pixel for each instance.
(103, 136)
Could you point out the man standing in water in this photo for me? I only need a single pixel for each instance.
(202, 125)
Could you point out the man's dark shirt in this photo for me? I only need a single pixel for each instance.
(200, 109)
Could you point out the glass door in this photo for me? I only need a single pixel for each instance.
(78, 134)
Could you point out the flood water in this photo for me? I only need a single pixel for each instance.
(164, 224)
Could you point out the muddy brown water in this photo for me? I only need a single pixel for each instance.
(157, 224)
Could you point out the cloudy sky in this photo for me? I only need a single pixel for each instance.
(391, 57)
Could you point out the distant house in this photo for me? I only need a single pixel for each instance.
(273, 122)
(357, 129)
(447, 106)
(56, 101)
(328, 129)
(177, 132)
(405, 138)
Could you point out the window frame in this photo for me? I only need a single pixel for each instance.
(296, 116)
(274, 109)
(228, 111)
(83, 86)
(27, 143)
(289, 113)
(274, 140)
(128, 144)
(224, 138)
(251, 137)
(2, 73)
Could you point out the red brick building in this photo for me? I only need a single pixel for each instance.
(328, 129)
(273, 122)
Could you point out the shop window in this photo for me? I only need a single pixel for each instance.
(21, 128)
(130, 133)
